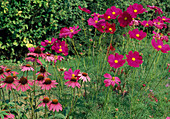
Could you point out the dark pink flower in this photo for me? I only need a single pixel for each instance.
(160, 46)
(45, 101)
(101, 25)
(69, 74)
(46, 42)
(27, 67)
(147, 23)
(124, 19)
(9, 83)
(60, 47)
(23, 84)
(93, 21)
(159, 24)
(84, 76)
(134, 59)
(157, 9)
(47, 84)
(84, 9)
(97, 15)
(116, 61)
(55, 105)
(115, 11)
(111, 80)
(110, 28)
(135, 9)
(71, 31)
(135, 33)
(164, 19)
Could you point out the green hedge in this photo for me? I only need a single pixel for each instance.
(27, 22)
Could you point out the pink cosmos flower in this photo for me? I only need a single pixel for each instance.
(135, 9)
(157, 9)
(160, 46)
(27, 67)
(45, 101)
(111, 80)
(135, 33)
(134, 59)
(60, 47)
(84, 76)
(9, 116)
(124, 19)
(46, 42)
(9, 83)
(110, 28)
(134, 22)
(159, 24)
(69, 74)
(167, 117)
(147, 23)
(116, 61)
(101, 25)
(93, 21)
(47, 84)
(55, 105)
(36, 52)
(71, 31)
(2, 70)
(164, 19)
(23, 84)
(84, 9)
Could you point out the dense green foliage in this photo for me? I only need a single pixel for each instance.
(28, 22)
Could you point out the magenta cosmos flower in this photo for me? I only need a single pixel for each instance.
(101, 25)
(45, 101)
(116, 61)
(46, 42)
(157, 9)
(84, 76)
(135, 33)
(124, 19)
(111, 80)
(110, 28)
(2, 70)
(147, 23)
(9, 83)
(160, 46)
(23, 84)
(84, 9)
(135, 9)
(60, 47)
(134, 59)
(9, 116)
(27, 67)
(97, 15)
(112, 13)
(36, 52)
(47, 84)
(71, 31)
(55, 105)
(93, 21)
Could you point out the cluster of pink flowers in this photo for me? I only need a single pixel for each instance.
(133, 59)
(53, 105)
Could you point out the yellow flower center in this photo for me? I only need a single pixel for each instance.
(98, 15)
(158, 23)
(60, 50)
(103, 27)
(110, 29)
(137, 35)
(116, 61)
(159, 46)
(60, 46)
(125, 18)
(113, 78)
(135, 10)
(71, 30)
(113, 12)
(96, 21)
(133, 59)
(163, 19)
(108, 17)
(73, 75)
(147, 24)
(49, 41)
